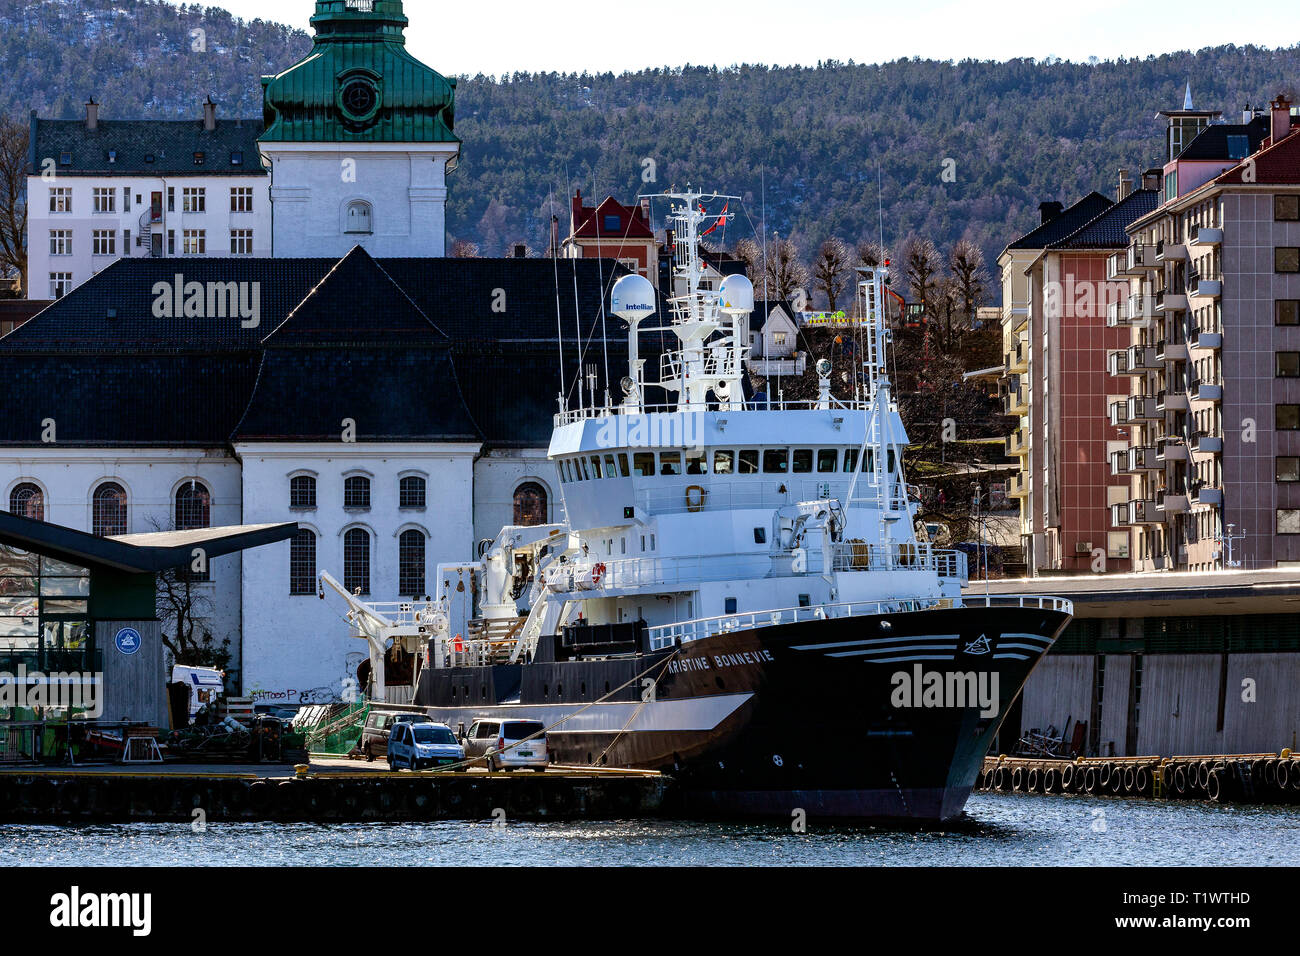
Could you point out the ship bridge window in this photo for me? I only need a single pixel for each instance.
(643, 463)
(776, 461)
(698, 465)
(611, 469)
(581, 465)
(850, 459)
(670, 463)
(803, 461)
(827, 459)
(747, 461)
(722, 462)
(595, 466)
(622, 464)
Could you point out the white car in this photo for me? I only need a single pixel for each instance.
(508, 744)
(420, 745)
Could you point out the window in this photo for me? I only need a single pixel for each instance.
(695, 464)
(778, 339)
(1288, 520)
(236, 157)
(103, 242)
(670, 463)
(1288, 312)
(643, 463)
(200, 158)
(530, 504)
(1288, 468)
(171, 242)
(356, 492)
(1288, 364)
(60, 284)
(827, 458)
(776, 461)
(1238, 146)
(196, 242)
(241, 199)
(194, 199)
(359, 218)
(302, 491)
(723, 462)
(747, 461)
(356, 561)
(61, 199)
(193, 506)
(28, 501)
(171, 198)
(105, 199)
(411, 492)
(65, 158)
(108, 510)
(60, 242)
(1287, 418)
(803, 461)
(850, 459)
(612, 223)
(1286, 208)
(410, 563)
(126, 199)
(302, 562)
(241, 242)
(1286, 259)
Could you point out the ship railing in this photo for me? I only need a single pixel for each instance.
(623, 573)
(404, 613)
(730, 492)
(905, 556)
(668, 635)
(571, 415)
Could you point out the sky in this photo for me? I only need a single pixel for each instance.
(497, 37)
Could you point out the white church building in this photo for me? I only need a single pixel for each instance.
(394, 403)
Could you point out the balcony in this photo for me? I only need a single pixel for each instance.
(1018, 486)
(1208, 444)
(1134, 260)
(1170, 251)
(1132, 461)
(1137, 511)
(1117, 364)
(1173, 504)
(1166, 302)
(1202, 236)
(1173, 400)
(1207, 392)
(1205, 339)
(1015, 402)
(1142, 358)
(1016, 445)
(1140, 309)
(1171, 449)
(1018, 357)
(1205, 288)
(1143, 408)
(1171, 351)
(1208, 496)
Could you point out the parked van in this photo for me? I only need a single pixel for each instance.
(206, 685)
(507, 744)
(379, 723)
(420, 744)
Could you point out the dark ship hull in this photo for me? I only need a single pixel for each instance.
(884, 717)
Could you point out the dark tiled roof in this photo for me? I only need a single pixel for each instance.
(111, 373)
(129, 398)
(357, 302)
(1057, 228)
(1107, 230)
(398, 394)
(1212, 142)
(172, 143)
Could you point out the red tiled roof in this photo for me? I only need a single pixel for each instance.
(1278, 163)
(589, 223)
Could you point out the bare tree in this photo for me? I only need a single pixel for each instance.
(13, 200)
(966, 265)
(831, 270)
(786, 273)
(464, 249)
(184, 615)
(922, 262)
(871, 253)
(750, 253)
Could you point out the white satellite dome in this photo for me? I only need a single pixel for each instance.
(736, 295)
(632, 298)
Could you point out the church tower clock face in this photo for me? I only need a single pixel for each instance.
(359, 99)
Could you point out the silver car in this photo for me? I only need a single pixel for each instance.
(508, 744)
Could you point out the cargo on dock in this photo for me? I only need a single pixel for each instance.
(1217, 778)
(179, 794)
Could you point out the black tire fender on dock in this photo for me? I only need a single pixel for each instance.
(425, 802)
(234, 797)
(1091, 779)
(1130, 780)
(288, 798)
(524, 797)
(1000, 778)
(1103, 776)
(1294, 775)
(1031, 780)
(1180, 780)
(259, 797)
(1142, 781)
(72, 795)
(1215, 787)
(351, 801)
(1067, 777)
(1018, 779)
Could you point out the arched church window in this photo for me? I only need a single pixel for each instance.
(109, 509)
(530, 504)
(360, 218)
(27, 500)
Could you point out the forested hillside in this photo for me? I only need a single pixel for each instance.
(810, 141)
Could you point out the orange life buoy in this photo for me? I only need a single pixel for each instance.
(597, 573)
(698, 503)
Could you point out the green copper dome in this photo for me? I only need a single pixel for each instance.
(358, 84)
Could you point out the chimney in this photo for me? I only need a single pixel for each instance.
(92, 114)
(519, 251)
(1247, 114)
(1125, 185)
(645, 211)
(1151, 179)
(209, 115)
(1048, 211)
(1281, 125)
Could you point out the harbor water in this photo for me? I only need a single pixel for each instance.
(1000, 830)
